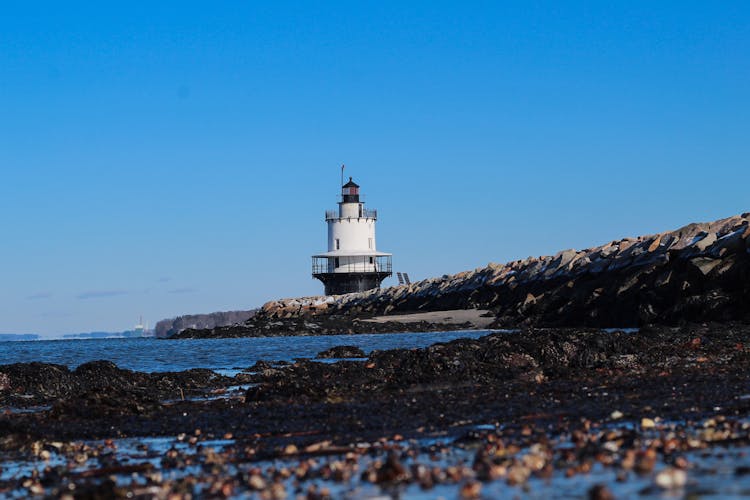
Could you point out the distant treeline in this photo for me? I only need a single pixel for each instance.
(168, 327)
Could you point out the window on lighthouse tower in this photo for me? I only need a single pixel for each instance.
(338, 244)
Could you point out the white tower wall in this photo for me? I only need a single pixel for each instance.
(351, 235)
(350, 210)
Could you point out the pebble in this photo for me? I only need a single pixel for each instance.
(471, 490)
(671, 478)
(600, 492)
(647, 423)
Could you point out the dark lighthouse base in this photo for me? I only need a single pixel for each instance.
(341, 283)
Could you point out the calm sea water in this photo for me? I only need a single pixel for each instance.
(226, 355)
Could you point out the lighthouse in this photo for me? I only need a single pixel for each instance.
(352, 262)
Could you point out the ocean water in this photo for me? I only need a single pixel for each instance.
(224, 355)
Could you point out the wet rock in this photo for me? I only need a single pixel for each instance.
(108, 402)
(531, 356)
(471, 490)
(600, 492)
(392, 471)
(261, 365)
(342, 351)
(33, 384)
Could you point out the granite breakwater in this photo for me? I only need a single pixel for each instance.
(700, 272)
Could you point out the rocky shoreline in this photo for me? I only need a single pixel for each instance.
(506, 401)
(700, 272)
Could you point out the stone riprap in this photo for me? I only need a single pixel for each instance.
(699, 272)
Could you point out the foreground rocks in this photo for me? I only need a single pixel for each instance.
(495, 414)
(502, 375)
(533, 356)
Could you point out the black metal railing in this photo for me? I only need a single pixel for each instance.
(352, 264)
(367, 213)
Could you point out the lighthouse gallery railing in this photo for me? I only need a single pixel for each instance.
(367, 213)
(358, 264)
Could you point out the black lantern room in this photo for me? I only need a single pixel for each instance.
(350, 192)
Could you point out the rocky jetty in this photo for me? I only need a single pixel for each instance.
(700, 272)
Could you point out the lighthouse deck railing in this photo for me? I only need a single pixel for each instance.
(366, 213)
(364, 264)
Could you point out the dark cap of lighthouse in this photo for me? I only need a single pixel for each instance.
(350, 192)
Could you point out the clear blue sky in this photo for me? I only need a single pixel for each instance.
(165, 158)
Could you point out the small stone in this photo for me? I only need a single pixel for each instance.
(645, 461)
(277, 491)
(517, 474)
(671, 478)
(616, 415)
(316, 447)
(472, 489)
(600, 492)
(256, 482)
(647, 423)
(36, 488)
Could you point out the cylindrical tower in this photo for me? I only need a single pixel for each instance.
(352, 262)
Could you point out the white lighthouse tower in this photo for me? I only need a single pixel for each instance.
(352, 262)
